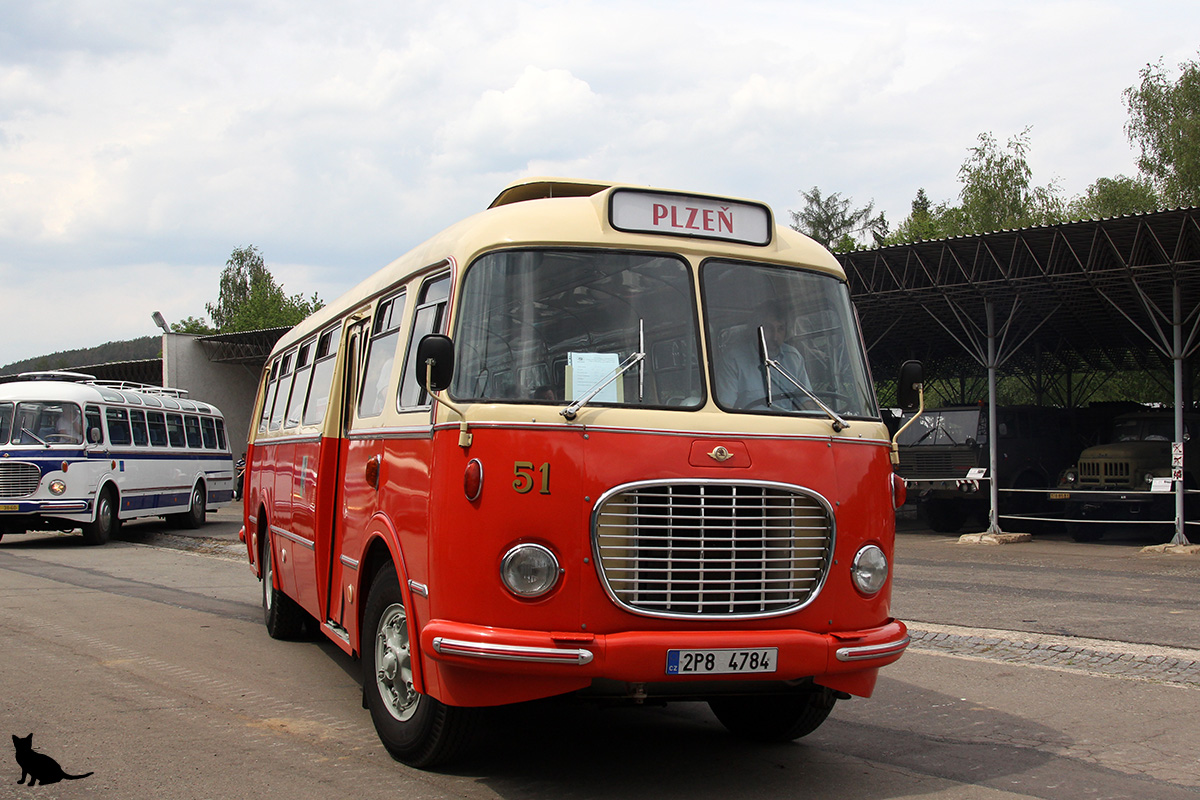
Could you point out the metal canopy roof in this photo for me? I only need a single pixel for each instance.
(242, 347)
(1092, 296)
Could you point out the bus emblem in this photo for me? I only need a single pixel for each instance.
(720, 454)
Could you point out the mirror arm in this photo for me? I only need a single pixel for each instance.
(920, 410)
(464, 434)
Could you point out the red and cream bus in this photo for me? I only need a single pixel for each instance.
(597, 439)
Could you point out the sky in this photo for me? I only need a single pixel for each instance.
(142, 141)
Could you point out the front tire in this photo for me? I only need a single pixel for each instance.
(415, 728)
(775, 718)
(106, 523)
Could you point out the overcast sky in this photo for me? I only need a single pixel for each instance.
(141, 141)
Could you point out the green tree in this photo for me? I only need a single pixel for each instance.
(1113, 197)
(998, 191)
(192, 325)
(250, 299)
(830, 221)
(1164, 121)
(923, 223)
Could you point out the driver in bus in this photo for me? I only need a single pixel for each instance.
(742, 375)
(70, 425)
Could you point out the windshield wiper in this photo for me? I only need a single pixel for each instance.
(638, 358)
(839, 424)
(34, 436)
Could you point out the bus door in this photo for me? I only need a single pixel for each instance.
(351, 492)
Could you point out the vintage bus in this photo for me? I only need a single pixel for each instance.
(597, 439)
(76, 452)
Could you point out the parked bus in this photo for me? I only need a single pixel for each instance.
(76, 452)
(597, 439)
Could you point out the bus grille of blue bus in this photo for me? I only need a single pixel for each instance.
(712, 549)
(19, 479)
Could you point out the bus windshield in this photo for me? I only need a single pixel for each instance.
(42, 423)
(807, 325)
(549, 326)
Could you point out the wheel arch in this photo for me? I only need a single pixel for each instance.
(383, 548)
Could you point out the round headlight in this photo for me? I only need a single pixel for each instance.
(529, 570)
(57, 487)
(1070, 476)
(1149, 478)
(869, 570)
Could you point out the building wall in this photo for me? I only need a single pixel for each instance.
(229, 387)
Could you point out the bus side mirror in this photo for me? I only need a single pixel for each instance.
(909, 385)
(94, 435)
(435, 361)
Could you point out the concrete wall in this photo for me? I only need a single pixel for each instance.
(229, 387)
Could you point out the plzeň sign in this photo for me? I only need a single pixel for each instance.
(635, 211)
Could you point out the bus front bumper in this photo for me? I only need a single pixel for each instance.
(642, 656)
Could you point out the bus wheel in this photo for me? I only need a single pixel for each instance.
(194, 517)
(774, 718)
(416, 729)
(284, 617)
(106, 523)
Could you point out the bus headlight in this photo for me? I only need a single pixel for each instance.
(529, 570)
(57, 487)
(1148, 478)
(1069, 478)
(869, 570)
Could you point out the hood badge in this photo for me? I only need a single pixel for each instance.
(720, 454)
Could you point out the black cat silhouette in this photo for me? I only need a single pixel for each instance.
(37, 766)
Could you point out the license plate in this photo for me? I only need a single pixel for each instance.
(1060, 495)
(9, 507)
(721, 662)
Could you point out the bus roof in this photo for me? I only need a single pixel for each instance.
(79, 388)
(549, 212)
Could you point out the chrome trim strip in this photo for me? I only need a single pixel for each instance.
(418, 588)
(697, 433)
(870, 651)
(348, 562)
(504, 652)
(300, 540)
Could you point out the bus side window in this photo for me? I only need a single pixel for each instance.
(191, 425)
(137, 419)
(95, 428)
(281, 395)
(322, 378)
(221, 434)
(381, 354)
(269, 398)
(299, 386)
(118, 426)
(209, 430)
(428, 318)
(158, 428)
(175, 434)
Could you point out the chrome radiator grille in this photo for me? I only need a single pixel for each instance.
(19, 479)
(712, 549)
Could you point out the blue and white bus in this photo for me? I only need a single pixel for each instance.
(76, 452)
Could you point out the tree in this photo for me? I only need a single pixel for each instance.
(830, 221)
(1164, 121)
(250, 299)
(192, 325)
(1113, 197)
(923, 223)
(997, 191)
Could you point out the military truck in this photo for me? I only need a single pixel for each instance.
(944, 461)
(1114, 480)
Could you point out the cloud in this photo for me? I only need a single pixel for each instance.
(141, 141)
